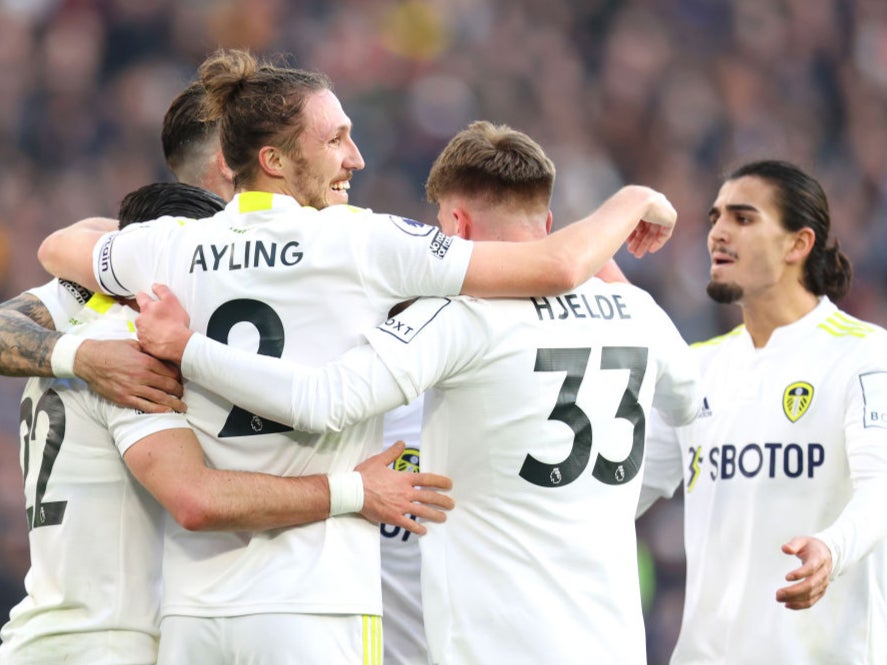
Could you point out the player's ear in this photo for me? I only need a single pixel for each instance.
(223, 167)
(801, 245)
(271, 161)
(463, 223)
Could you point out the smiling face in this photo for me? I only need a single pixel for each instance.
(747, 243)
(319, 174)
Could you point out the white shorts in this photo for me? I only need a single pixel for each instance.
(271, 639)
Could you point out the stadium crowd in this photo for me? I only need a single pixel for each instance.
(666, 93)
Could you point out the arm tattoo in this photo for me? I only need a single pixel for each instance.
(27, 337)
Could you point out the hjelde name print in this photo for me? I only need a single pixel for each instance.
(580, 306)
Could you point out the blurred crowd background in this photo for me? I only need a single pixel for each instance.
(667, 93)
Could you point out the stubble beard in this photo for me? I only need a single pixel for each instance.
(312, 188)
(725, 294)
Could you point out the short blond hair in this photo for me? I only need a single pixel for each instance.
(495, 163)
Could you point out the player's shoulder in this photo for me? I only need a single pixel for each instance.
(856, 344)
(371, 221)
(158, 232)
(837, 324)
(641, 302)
(102, 317)
(447, 315)
(595, 285)
(339, 211)
(344, 213)
(166, 221)
(61, 298)
(718, 343)
(429, 308)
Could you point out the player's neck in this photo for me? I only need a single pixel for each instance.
(263, 183)
(508, 226)
(765, 313)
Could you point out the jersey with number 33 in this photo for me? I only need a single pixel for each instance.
(537, 413)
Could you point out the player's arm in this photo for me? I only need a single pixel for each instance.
(663, 468)
(330, 398)
(860, 526)
(171, 465)
(572, 255)
(115, 369)
(678, 397)
(68, 251)
(27, 337)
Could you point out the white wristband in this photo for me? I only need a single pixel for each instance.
(346, 492)
(63, 353)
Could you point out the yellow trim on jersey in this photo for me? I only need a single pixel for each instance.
(720, 338)
(694, 466)
(100, 303)
(372, 639)
(842, 325)
(254, 201)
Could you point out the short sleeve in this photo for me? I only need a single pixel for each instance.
(125, 261)
(129, 426)
(406, 258)
(63, 299)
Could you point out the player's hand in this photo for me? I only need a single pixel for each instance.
(813, 574)
(399, 498)
(655, 227)
(162, 324)
(117, 370)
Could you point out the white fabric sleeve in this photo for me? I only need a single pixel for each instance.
(663, 467)
(679, 393)
(63, 299)
(126, 262)
(861, 525)
(408, 259)
(129, 426)
(431, 340)
(352, 388)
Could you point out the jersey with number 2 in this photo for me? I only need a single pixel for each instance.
(271, 276)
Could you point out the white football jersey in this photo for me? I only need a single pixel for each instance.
(271, 276)
(538, 415)
(785, 433)
(96, 536)
(401, 591)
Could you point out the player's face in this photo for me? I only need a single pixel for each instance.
(319, 176)
(746, 242)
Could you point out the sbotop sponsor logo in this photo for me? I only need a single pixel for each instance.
(752, 460)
